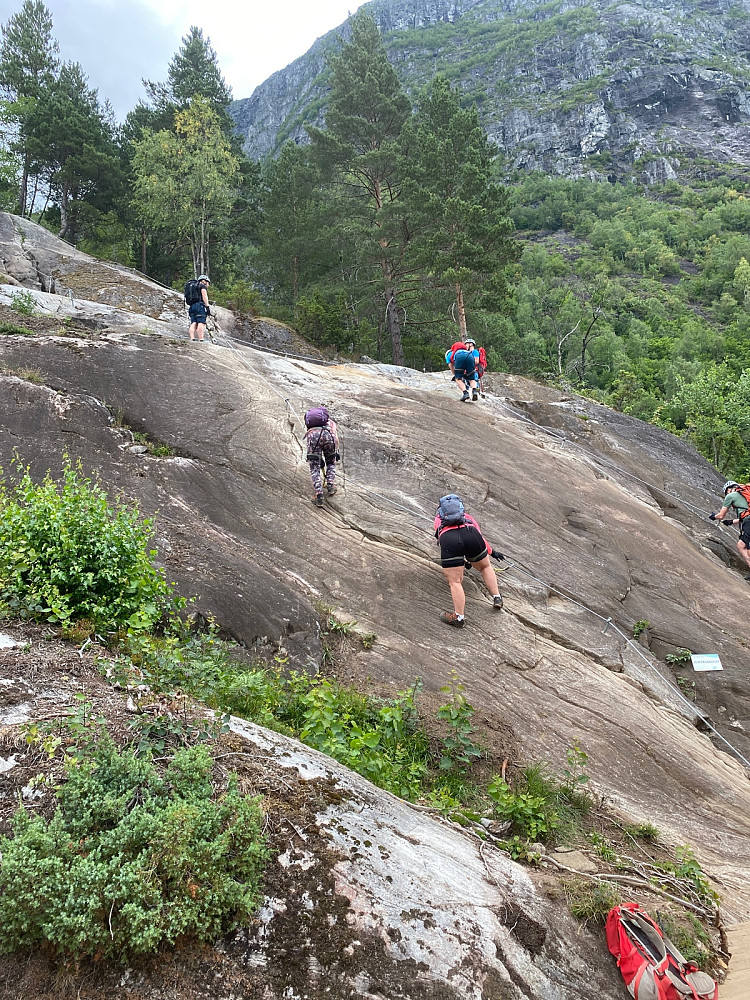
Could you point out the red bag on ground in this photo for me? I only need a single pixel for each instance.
(651, 965)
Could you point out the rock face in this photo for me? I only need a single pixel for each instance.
(575, 88)
(601, 518)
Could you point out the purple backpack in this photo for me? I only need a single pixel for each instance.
(318, 416)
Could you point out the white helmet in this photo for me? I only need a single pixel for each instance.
(470, 340)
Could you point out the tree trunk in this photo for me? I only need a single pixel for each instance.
(391, 315)
(63, 211)
(461, 309)
(295, 278)
(24, 186)
(143, 249)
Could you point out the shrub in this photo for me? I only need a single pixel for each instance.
(131, 860)
(66, 555)
(24, 303)
(590, 901)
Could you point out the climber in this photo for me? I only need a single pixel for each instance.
(461, 363)
(196, 297)
(480, 362)
(322, 441)
(461, 543)
(736, 498)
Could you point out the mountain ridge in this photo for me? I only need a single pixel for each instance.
(649, 91)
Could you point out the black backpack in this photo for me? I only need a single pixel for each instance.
(193, 292)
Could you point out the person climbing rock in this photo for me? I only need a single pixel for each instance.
(322, 441)
(480, 362)
(461, 363)
(736, 499)
(461, 543)
(196, 297)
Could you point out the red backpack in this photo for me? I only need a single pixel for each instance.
(745, 492)
(652, 967)
(482, 364)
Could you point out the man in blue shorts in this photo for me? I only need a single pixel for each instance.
(199, 311)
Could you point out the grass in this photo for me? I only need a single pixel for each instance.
(11, 329)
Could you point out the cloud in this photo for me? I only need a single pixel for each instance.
(119, 42)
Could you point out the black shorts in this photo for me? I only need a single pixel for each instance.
(458, 544)
(745, 531)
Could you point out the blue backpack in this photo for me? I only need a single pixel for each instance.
(451, 510)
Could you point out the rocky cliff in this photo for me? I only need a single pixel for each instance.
(597, 89)
(602, 520)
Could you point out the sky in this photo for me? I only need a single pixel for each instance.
(118, 42)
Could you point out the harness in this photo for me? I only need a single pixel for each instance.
(317, 446)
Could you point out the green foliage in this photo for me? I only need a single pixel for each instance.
(678, 658)
(688, 934)
(240, 297)
(590, 901)
(574, 772)
(686, 868)
(603, 848)
(13, 330)
(640, 627)
(66, 554)
(643, 831)
(459, 748)
(24, 303)
(531, 811)
(381, 740)
(131, 860)
(185, 180)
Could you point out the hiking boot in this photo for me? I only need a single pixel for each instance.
(451, 618)
(497, 602)
(318, 501)
(330, 490)
(465, 398)
(475, 396)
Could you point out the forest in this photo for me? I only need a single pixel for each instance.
(398, 228)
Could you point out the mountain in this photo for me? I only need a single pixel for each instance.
(575, 88)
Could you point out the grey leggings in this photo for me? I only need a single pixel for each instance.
(316, 473)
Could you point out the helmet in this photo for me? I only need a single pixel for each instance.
(203, 277)
(470, 340)
(730, 485)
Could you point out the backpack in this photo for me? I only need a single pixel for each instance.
(318, 416)
(450, 510)
(652, 967)
(744, 491)
(193, 292)
(482, 363)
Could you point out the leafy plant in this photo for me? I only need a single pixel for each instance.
(643, 831)
(574, 772)
(131, 860)
(640, 627)
(66, 555)
(676, 659)
(532, 815)
(459, 749)
(603, 847)
(24, 303)
(688, 934)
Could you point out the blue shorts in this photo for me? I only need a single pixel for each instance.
(464, 366)
(197, 313)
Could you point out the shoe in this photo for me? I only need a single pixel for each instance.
(465, 398)
(451, 618)
(330, 490)
(318, 501)
(475, 396)
(747, 577)
(497, 602)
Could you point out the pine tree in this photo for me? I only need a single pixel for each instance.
(460, 226)
(72, 139)
(295, 246)
(28, 65)
(367, 109)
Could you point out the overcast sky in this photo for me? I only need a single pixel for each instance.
(118, 42)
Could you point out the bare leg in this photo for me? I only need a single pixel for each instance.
(454, 575)
(743, 551)
(201, 327)
(488, 575)
(191, 331)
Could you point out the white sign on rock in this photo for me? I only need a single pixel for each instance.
(706, 661)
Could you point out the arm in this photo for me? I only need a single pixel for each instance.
(204, 297)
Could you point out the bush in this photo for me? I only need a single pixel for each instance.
(131, 860)
(66, 555)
